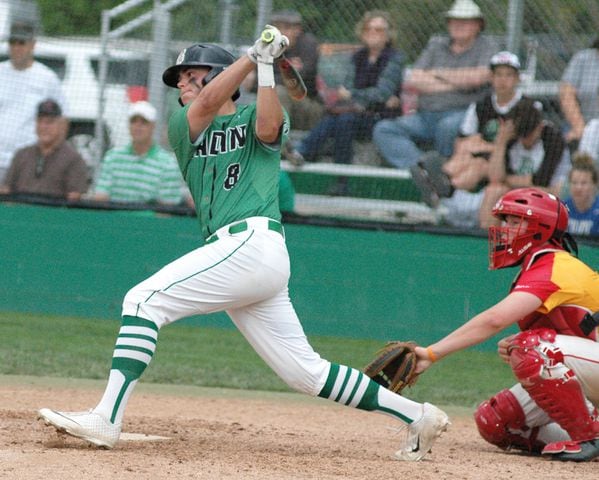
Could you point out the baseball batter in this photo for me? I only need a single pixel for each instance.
(230, 158)
(555, 302)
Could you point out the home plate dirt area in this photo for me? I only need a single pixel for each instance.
(173, 432)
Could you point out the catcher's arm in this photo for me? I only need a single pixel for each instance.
(394, 366)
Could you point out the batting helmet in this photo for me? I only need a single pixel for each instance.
(200, 55)
(546, 220)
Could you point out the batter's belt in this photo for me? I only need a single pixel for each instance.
(253, 222)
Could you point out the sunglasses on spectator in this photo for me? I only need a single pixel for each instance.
(17, 42)
(375, 29)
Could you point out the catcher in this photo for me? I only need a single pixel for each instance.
(555, 357)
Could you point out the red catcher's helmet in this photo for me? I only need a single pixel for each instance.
(546, 220)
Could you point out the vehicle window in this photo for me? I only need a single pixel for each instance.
(127, 72)
(58, 65)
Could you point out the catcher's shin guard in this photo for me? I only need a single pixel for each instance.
(539, 366)
(501, 422)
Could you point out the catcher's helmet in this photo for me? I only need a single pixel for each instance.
(200, 55)
(547, 220)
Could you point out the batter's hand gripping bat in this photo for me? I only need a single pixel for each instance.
(291, 77)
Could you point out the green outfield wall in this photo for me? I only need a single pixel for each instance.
(345, 282)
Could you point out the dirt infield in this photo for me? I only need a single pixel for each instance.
(226, 434)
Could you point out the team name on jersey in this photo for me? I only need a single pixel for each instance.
(222, 141)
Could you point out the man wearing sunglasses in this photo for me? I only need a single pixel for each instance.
(24, 83)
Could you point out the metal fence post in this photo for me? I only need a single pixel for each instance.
(228, 6)
(158, 63)
(514, 25)
(102, 75)
(264, 8)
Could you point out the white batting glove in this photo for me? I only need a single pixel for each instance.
(269, 46)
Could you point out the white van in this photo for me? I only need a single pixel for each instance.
(76, 61)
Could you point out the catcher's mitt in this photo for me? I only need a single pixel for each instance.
(394, 366)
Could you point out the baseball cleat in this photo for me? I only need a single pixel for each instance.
(422, 434)
(89, 426)
(573, 451)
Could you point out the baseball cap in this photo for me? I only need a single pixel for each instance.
(21, 31)
(505, 58)
(49, 108)
(144, 110)
(464, 9)
(291, 17)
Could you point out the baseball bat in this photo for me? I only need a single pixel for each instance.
(291, 77)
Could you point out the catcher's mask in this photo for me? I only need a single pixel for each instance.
(542, 218)
(200, 55)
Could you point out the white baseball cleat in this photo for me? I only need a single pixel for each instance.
(89, 426)
(422, 434)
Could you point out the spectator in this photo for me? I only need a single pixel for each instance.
(583, 202)
(24, 83)
(458, 182)
(303, 53)
(142, 171)
(449, 75)
(370, 92)
(579, 91)
(51, 167)
(529, 152)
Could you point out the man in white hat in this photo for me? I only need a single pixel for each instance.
(450, 74)
(142, 171)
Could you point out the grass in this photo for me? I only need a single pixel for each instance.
(54, 346)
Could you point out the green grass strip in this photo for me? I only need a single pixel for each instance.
(54, 346)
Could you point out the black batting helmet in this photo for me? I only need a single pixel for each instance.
(200, 55)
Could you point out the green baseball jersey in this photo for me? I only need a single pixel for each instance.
(230, 173)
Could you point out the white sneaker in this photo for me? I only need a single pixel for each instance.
(89, 426)
(422, 434)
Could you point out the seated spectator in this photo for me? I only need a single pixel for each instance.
(579, 91)
(457, 183)
(142, 171)
(450, 74)
(583, 202)
(24, 84)
(369, 93)
(529, 152)
(51, 167)
(303, 53)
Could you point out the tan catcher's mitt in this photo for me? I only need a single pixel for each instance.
(394, 366)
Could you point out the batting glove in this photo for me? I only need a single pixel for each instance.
(269, 46)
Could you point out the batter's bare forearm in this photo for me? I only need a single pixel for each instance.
(269, 115)
(223, 86)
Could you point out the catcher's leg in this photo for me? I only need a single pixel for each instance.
(502, 421)
(539, 365)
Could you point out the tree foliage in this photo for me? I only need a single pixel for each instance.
(329, 20)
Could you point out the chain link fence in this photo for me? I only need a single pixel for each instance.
(103, 75)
